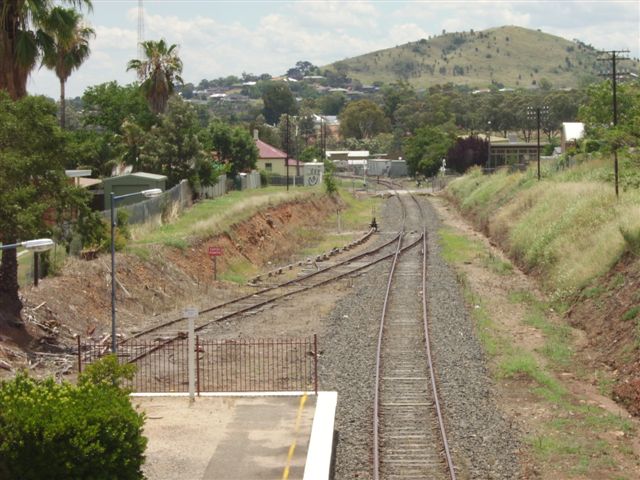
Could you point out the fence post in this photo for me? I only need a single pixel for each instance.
(315, 362)
(79, 355)
(198, 365)
(191, 314)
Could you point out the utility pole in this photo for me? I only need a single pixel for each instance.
(286, 149)
(536, 113)
(613, 57)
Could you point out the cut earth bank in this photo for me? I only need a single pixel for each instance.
(157, 280)
(569, 429)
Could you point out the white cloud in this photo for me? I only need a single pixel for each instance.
(269, 37)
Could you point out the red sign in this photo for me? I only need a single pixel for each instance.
(215, 251)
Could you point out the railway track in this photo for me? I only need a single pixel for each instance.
(167, 332)
(408, 427)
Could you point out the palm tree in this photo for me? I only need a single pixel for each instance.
(23, 40)
(70, 48)
(158, 72)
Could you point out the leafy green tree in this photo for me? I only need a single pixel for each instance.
(33, 150)
(23, 39)
(332, 103)
(158, 72)
(362, 119)
(106, 106)
(425, 150)
(278, 100)
(70, 48)
(597, 114)
(232, 145)
(172, 148)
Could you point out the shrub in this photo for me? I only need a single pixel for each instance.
(61, 431)
(329, 180)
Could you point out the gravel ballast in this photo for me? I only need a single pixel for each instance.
(484, 444)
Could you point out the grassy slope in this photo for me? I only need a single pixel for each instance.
(526, 56)
(567, 228)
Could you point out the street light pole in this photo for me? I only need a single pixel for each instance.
(153, 192)
(535, 113)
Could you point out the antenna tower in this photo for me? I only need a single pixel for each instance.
(140, 30)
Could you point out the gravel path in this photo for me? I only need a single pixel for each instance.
(483, 443)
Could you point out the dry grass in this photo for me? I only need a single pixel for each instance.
(568, 231)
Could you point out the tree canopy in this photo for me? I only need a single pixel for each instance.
(23, 39)
(362, 119)
(158, 72)
(35, 194)
(278, 100)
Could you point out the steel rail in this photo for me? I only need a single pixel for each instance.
(263, 291)
(376, 399)
(379, 361)
(434, 388)
(268, 301)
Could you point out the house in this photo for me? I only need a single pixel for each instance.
(570, 134)
(274, 160)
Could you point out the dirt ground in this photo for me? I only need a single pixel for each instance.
(517, 396)
(150, 287)
(167, 279)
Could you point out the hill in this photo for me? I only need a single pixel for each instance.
(506, 56)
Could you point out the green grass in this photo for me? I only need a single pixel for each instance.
(631, 314)
(457, 248)
(25, 265)
(569, 438)
(209, 217)
(568, 228)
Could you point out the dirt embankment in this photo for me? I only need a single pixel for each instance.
(151, 282)
(608, 312)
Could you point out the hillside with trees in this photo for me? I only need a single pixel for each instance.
(508, 56)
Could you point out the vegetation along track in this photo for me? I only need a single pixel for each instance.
(408, 427)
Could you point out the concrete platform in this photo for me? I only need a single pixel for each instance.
(238, 437)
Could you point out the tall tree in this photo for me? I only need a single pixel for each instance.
(278, 100)
(233, 146)
(70, 48)
(32, 154)
(23, 40)
(172, 148)
(158, 72)
(362, 119)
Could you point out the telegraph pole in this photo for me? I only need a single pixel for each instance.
(536, 113)
(613, 57)
(286, 147)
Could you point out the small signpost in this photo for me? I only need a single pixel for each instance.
(214, 253)
(191, 313)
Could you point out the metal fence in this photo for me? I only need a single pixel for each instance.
(234, 365)
(158, 209)
(294, 180)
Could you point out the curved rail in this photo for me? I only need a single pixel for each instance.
(411, 387)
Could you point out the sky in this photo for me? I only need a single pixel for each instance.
(219, 38)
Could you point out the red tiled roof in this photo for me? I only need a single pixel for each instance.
(267, 151)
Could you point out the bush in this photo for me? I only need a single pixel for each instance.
(329, 180)
(62, 431)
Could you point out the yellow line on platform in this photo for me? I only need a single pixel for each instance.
(292, 448)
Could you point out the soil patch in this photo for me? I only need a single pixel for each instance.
(152, 283)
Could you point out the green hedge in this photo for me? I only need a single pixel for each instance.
(63, 431)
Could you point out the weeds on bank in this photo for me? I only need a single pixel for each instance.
(568, 441)
(209, 217)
